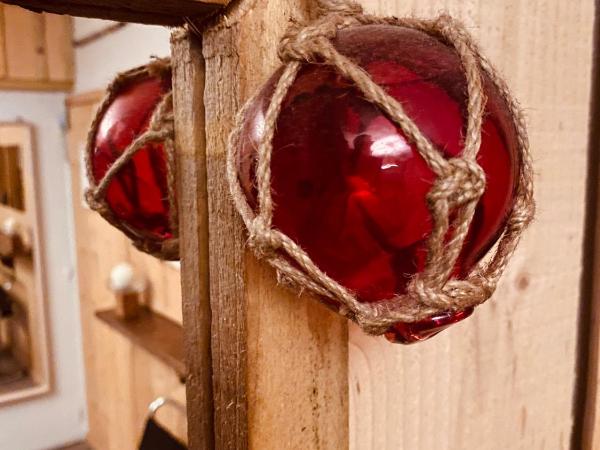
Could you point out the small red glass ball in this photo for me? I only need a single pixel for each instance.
(138, 194)
(347, 185)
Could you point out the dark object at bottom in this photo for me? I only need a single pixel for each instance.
(157, 438)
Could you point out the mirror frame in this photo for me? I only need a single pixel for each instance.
(21, 134)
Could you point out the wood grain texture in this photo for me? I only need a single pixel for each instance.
(122, 378)
(2, 43)
(279, 361)
(190, 143)
(505, 378)
(166, 12)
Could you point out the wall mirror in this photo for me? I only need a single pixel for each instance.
(24, 370)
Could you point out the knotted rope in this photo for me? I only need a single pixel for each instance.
(460, 182)
(160, 130)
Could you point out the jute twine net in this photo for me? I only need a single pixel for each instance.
(160, 130)
(459, 185)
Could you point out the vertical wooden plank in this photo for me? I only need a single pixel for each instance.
(505, 378)
(2, 42)
(588, 402)
(188, 92)
(279, 362)
(59, 50)
(25, 44)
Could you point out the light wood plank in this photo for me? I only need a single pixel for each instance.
(25, 44)
(279, 361)
(15, 84)
(505, 378)
(2, 43)
(59, 49)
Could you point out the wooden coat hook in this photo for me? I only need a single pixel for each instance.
(128, 289)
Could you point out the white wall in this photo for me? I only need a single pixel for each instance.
(59, 417)
(98, 62)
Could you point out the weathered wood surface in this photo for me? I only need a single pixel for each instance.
(35, 50)
(188, 92)
(279, 361)
(165, 12)
(504, 379)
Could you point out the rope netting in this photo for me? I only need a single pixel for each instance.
(160, 130)
(460, 181)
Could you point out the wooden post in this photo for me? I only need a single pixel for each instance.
(279, 361)
(188, 92)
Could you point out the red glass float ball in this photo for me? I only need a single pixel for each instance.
(349, 187)
(138, 194)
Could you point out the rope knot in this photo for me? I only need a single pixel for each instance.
(428, 295)
(163, 118)
(262, 238)
(345, 7)
(97, 205)
(303, 43)
(461, 181)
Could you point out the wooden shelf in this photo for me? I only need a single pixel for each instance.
(153, 332)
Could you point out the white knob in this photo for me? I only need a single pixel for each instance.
(121, 277)
(9, 226)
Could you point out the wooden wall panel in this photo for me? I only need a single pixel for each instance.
(59, 49)
(121, 377)
(505, 378)
(35, 50)
(2, 43)
(25, 44)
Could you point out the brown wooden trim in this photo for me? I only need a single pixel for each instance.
(84, 99)
(190, 142)
(165, 12)
(35, 85)
(586, 429)
(153, 332)
(105, 31)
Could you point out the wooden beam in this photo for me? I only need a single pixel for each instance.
(190, 142)
(279, 361)
(164, 12)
